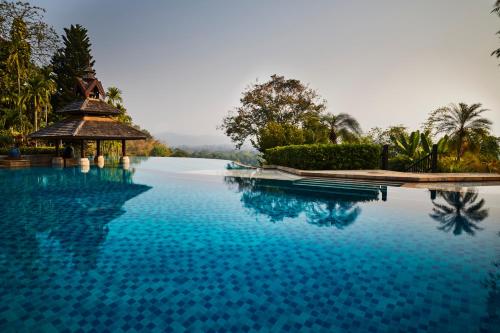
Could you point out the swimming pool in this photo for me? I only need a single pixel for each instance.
(181, 245)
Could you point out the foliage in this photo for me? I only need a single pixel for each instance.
(341, 126)
(160, 150)
(70, 62)
(41, 38)
(462, 122)
(426, 143)
(325, 156)
(279, 100)
(399, 163)
(177, 152)
(407, 145)
(274, 135)
(381, 136)
(31, 150)
(243, 156)
(496, 10)
(37, 93)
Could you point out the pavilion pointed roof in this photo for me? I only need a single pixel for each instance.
(89, 117)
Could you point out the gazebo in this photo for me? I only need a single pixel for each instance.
(89, 118)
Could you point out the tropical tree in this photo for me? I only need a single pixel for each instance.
(70, 62)
(341, 126)
(279, 100)
(408, 145)
(426, 143)
(462, 122)
(114, 96)
(496, 10)
(38, 91)
(461, 211)
(41, 37)
(18, 61)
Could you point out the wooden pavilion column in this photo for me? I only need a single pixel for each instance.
(82, 151)
(58, 161)
(99, 160)
(124, 148)
(98, 144)
(124, 160)
(84, 162)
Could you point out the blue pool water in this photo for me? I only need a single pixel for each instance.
(170, 245)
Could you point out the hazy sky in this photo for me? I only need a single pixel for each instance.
(183, 64)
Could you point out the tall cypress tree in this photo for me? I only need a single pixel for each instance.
(70, 62)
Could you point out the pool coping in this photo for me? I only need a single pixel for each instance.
(386, 175)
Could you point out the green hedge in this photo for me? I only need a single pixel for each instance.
(31, 151)
(325, 156)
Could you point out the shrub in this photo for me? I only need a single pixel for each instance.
(160, 150)
(325, 156)
(31, 150)
(399, 163)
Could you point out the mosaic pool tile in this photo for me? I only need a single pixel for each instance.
(154, 250)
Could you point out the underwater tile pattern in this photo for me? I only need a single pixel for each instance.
(153, 250)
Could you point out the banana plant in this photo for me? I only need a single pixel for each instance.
(408, 145)
(426, 143)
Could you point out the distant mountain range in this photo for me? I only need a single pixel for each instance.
(198, 142)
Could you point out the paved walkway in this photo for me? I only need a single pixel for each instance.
(393, 175)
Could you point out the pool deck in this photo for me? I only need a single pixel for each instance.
(385, 175)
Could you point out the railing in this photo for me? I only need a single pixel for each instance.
(427, 163)
(422, 165)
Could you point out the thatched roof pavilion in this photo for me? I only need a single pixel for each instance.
(89, 118)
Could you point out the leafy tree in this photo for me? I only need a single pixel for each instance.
(496, 10)
(37, 93)
(279, 100)
(41, 37)
(461, 212)
(274, 135)
(341, 126)
(314, 130)
(70, 62)
(461, 122)
(380, 136)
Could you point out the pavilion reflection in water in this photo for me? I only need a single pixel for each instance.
(334, 205)
(66, 206)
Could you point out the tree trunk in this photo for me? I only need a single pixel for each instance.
(333, 136)
(459, 148)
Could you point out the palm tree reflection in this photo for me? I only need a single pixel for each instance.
(461, 211)
(332, 207)
(339, 214)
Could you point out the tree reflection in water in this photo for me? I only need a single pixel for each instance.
(459, 211)
(73, 209)
(277, 200)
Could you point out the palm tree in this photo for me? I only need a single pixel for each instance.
(38, 91)
(460, 212)
(341, 126)
(496, 10)
(461, 122)
(114, 96)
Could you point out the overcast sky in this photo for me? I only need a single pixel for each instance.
(183, 64)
